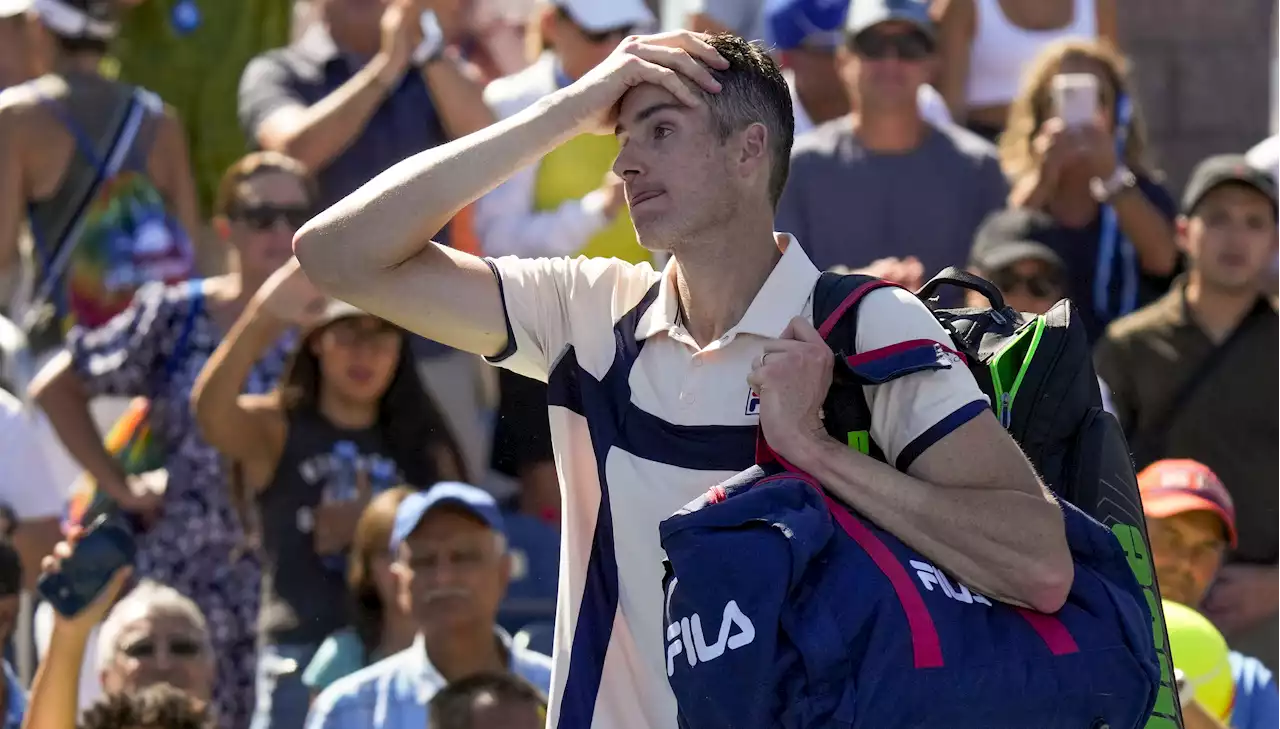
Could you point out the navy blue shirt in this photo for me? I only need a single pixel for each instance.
(310, 69)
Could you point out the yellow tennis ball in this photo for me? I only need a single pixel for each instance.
(1200, 651)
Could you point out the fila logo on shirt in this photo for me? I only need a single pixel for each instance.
(931, 577)
(753, 403)
(686, 637)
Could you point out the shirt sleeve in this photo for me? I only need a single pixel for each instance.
(266, 86)
(911, 413)
(126, 356)
(554, 303)
(508, 225)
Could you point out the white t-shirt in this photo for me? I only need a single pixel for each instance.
(643, 422)
(37, 471)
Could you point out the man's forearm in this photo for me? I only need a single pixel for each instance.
(1149, 231)
(458, 99)
(991, 539)
(329, 126)
(61, 394)
(393, 217)
(54, 692)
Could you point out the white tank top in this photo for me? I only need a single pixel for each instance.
(1001, 50)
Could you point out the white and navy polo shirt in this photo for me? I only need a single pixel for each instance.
(644, 421)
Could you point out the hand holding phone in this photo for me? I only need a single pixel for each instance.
(85, 574)
(1075, 98)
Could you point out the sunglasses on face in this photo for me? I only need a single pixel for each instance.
(177, 647)
(265, 217)
(1039, 286)
(877, 46)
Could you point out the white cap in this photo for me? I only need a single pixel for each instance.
(598, 16)
(10, 8)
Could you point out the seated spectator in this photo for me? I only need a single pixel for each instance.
(194, 539)
(1193, 375)
(381, 624)
(152, 635)
(453, 568)
(1117, 222)
(350, 100)
(13, 698)
(986, 46)
(157, 707)
(1013, 250)
(805, 35)
(488, 701)
(884, 184)
(1192, 521)
(349, 419)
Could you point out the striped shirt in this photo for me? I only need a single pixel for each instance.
(644, 420)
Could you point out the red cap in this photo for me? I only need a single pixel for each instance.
(1178, 485)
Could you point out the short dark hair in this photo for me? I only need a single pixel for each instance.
(156, 707)
(451, 708)
(753, 90)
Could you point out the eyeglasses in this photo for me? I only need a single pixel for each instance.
(181, 647)
(877, 46)
(264, 217)
(1039, 286)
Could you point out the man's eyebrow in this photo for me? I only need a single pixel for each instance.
(649, 111)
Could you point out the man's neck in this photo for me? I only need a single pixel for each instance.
(1218, 311)
(718, 280)
(460, 653)
(890, 132)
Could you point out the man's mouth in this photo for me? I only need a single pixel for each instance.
(644, 196)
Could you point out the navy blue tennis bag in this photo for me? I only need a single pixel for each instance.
(786, 609)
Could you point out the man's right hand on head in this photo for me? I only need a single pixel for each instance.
(665, 60)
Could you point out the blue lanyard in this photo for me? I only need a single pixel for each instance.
(1112, 241)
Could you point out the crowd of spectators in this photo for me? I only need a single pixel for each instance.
(346, 525)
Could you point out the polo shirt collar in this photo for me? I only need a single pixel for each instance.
(427, 678)
(782, 297)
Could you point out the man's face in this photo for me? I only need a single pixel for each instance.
(677, 172)
(452, 570)
(884, 66)
(1231, 237)
(161, 648)
(1028, 285)
(1187, 551)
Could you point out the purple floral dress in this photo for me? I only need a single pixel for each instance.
(196, 546)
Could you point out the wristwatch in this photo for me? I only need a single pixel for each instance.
(432, 46)
(1104, 191)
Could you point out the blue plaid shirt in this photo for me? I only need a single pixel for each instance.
(393, 693)
(17, 699)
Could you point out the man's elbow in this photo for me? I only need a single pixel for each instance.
(318, 246)
(1047, 578)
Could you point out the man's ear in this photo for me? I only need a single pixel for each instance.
(1180, 233)
(753, 154)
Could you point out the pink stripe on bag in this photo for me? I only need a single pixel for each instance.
(925, 643)
(1052, 631)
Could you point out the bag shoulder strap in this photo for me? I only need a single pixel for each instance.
(181, 348)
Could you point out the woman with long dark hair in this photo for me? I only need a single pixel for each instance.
(380, 624)
(349, 419)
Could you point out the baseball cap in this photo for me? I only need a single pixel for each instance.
(9, 8)
(1179, 485)
(865, 13)
(791, 24)
(76, 18)
(475, 501)
(598, 16)
(1221, 170)
(1009, 236)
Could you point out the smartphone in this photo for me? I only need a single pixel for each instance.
(106, 546)
(1075, 98)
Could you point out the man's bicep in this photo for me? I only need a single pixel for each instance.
(978, 453)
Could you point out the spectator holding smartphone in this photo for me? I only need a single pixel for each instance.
(349, 420)
(154, 349)
(153, 635)
(1090, 175)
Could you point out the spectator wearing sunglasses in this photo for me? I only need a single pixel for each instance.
(152, 635)
(882, 188)
(1014, 250)
(155, 348)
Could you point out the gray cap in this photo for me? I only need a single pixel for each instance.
(865, 13)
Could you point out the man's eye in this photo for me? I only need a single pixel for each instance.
(661, 132)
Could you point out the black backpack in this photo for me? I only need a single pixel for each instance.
(1038, 373)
